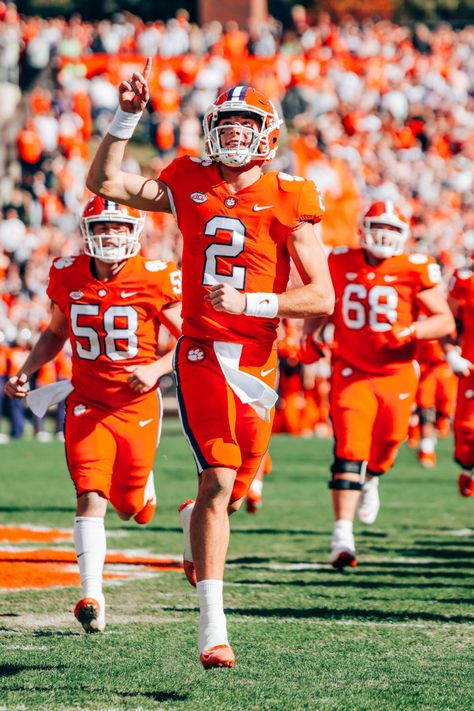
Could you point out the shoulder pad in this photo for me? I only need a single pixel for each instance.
(201, 161)
(64, 262)
(418, 258)
(156, 265)
(290, 183)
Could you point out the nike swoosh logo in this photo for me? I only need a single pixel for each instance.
(257, 208)
(126, 294)
(144, 423)
(403, 396)
(263, 373)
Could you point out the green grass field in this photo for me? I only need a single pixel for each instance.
(395, 633)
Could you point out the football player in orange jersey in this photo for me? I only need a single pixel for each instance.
(461, 361)
(109, 302)
(434, 398)
(240, 226)
(379, 291)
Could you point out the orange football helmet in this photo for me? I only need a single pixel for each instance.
(385, 230)
(100, 210)
(242, 101)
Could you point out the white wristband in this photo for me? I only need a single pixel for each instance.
(124, 123)
(263, 305)
(457, 362)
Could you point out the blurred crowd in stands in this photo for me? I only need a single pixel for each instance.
(373, 110)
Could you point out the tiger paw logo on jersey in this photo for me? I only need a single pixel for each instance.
(198, 197)
(79, 410)
(230, 202)
(195, 355)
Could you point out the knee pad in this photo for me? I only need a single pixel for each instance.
(347, 466)
(427, 415)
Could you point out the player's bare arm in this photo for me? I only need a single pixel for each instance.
(106, 177)
(316, 297)
(440, 321)
(46, 348)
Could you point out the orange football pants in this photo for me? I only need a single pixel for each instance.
(221, 430)
(112, 452)
(370, 413)
(437, 388)
(463, 425)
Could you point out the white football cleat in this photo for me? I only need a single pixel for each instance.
(343, 553)
(369, 503)
(91, 614)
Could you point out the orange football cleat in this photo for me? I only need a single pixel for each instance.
(466, 484)
(220, 656)
(427, 459)
(147, 512)
(253, 502)
(89, 613)
(345, 559)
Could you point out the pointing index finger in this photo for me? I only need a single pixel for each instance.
(147, 68)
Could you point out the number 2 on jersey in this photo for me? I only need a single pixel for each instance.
(236, 229)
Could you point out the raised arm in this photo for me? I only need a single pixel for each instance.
(106, 177)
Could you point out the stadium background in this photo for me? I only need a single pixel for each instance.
(373, 108)
(378, 104)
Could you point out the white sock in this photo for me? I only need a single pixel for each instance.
(343, 526)
(212, 623)
(90, 546)
(256, 486)
(427, 445)
(185, 516)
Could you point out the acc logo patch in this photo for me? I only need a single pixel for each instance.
(230, 202)
(198, 197)
(195, 354)
(64, 262)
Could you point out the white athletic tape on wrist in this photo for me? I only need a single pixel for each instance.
(124, 123)
(456, 361)
(263, 305)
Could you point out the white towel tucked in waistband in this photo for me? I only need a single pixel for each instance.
(249, 389)
(40, 399)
